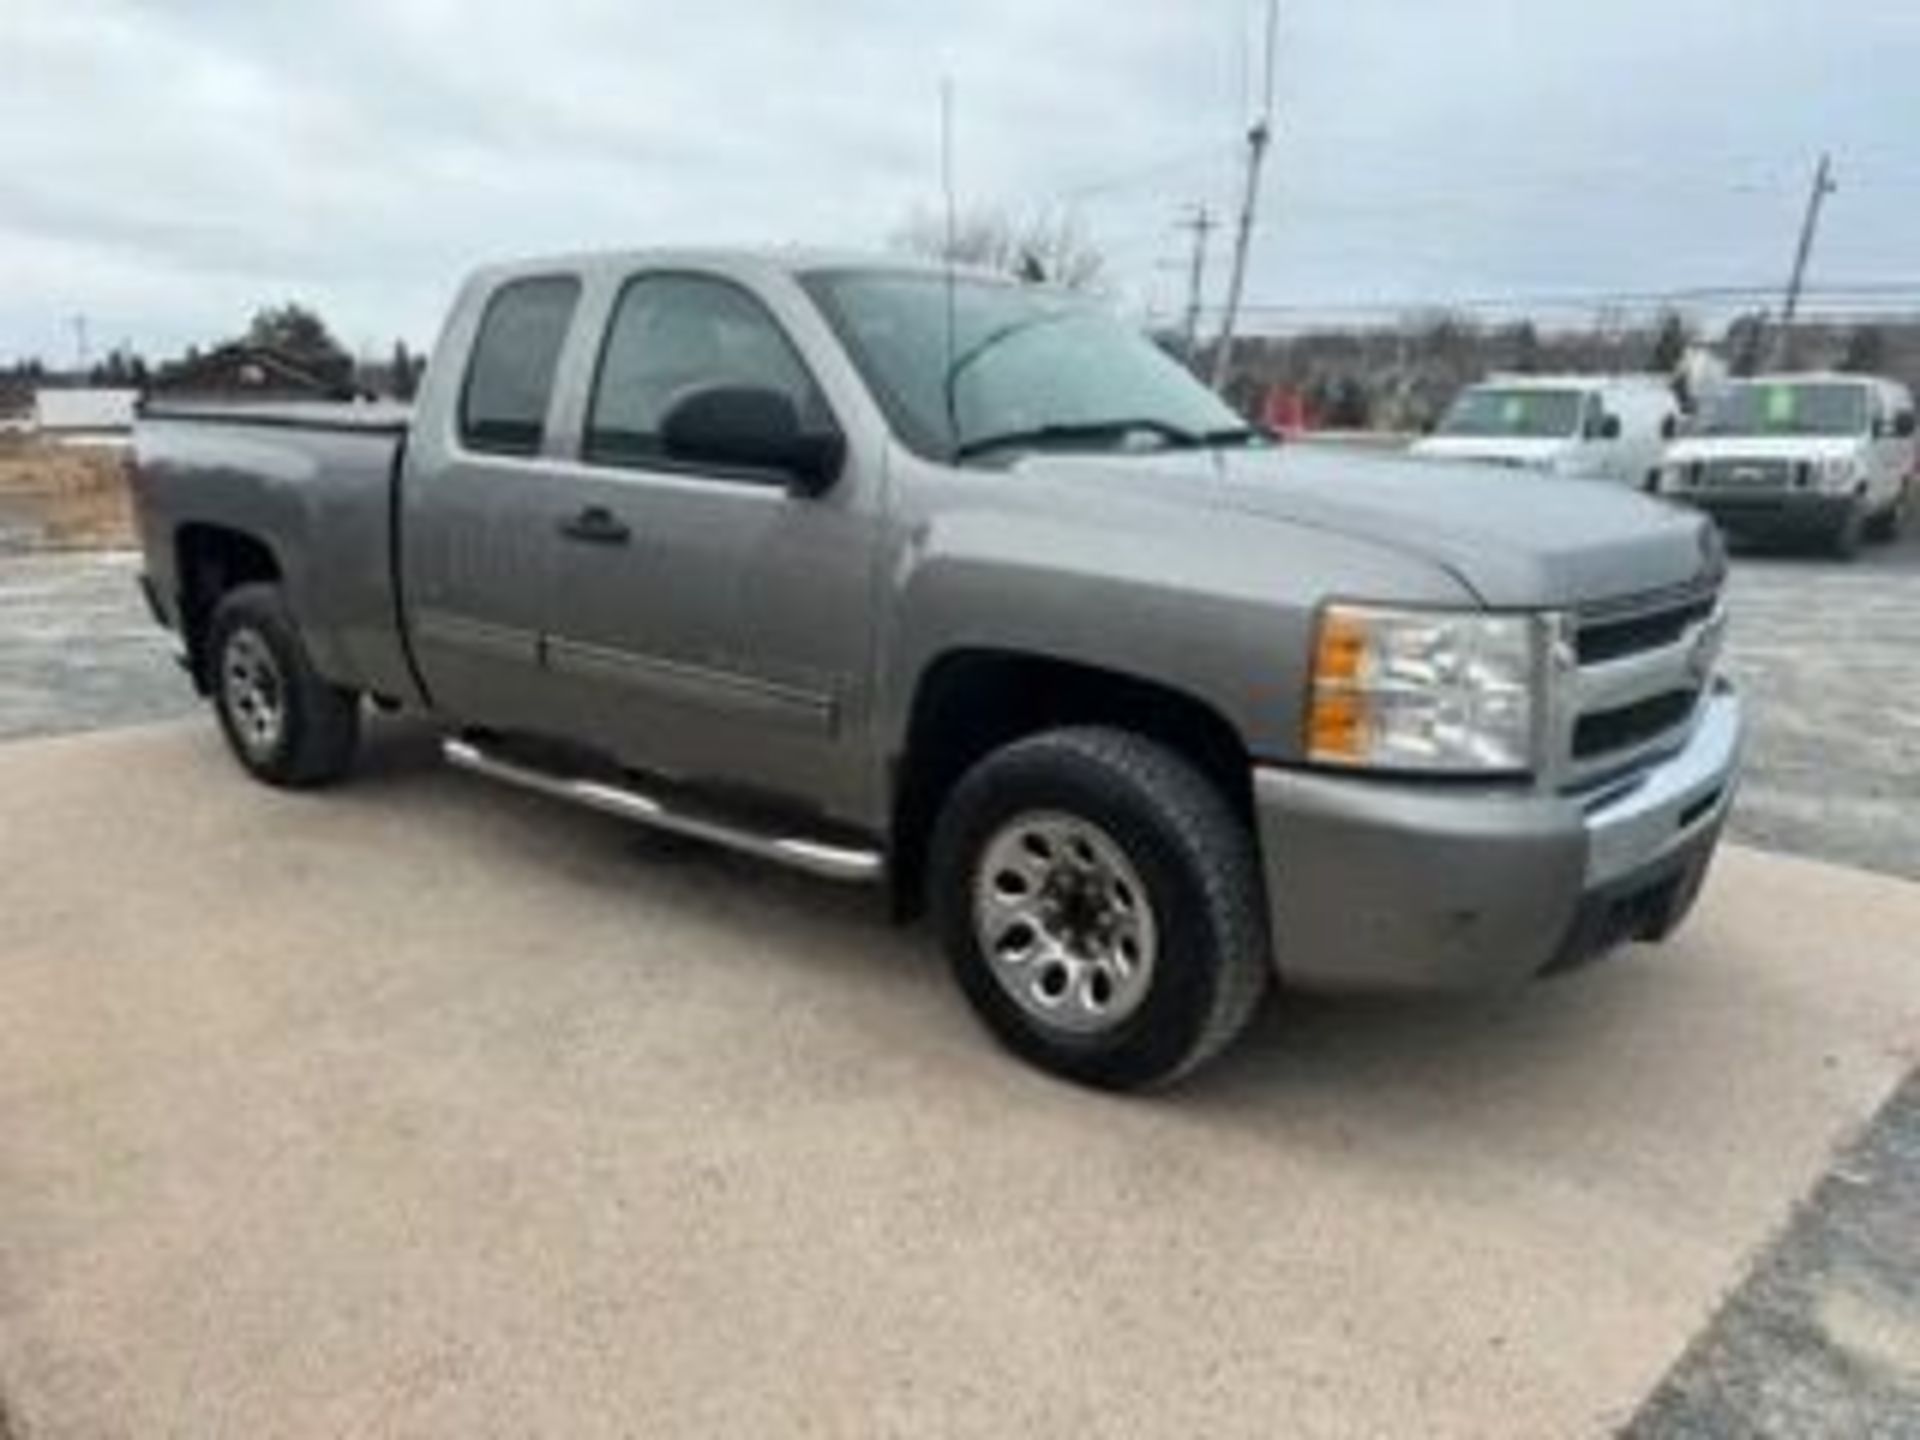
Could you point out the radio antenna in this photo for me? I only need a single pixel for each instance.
(950, 225)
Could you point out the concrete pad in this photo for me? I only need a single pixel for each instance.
(427, 1108)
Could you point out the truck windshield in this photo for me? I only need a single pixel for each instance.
(1027, 367)
(1522, 414)
(1788, 409)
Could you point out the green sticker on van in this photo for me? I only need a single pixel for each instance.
(1514, 410)
(1781, 404)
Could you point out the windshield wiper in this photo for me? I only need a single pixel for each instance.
(1237, 435)
(1174, 436)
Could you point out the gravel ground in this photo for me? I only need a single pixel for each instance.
(1826, 654)
(1824, 1336)
(78, 650)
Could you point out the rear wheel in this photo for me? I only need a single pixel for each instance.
(285, 724)
(1100, 904)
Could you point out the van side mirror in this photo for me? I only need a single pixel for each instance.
(751, 427)
(1669, 426)
(1603, 427)
(1903, 424)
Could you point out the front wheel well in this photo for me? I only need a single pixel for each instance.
(210, 560)
(972, 703)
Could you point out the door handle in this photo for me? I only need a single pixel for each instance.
(596, 525)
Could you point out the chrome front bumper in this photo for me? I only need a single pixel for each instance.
(1377, 884)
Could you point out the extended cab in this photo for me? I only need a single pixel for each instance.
(1823, 459)
(932, 579)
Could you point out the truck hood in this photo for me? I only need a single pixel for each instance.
(1536, 452)
(1763, 447)
(1515, 540)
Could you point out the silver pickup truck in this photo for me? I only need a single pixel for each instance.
(962, 587)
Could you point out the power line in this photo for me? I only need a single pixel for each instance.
(1760, 291)
(1139, 175)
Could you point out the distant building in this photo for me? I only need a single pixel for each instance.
(244, 372)
(83, 412)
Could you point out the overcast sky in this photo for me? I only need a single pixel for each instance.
(167, 167)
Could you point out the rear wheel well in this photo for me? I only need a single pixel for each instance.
(211, 560)
(972, 703)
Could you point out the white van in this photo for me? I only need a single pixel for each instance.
(1586, 427)
(1826, 458)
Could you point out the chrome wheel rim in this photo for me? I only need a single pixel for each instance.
(1064, 923)
(253, 693)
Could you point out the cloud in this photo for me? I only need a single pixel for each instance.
(169, 167)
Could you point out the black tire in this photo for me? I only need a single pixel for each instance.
(1885, 527)
(1194, 857)
(1845, 539)
(319, 723)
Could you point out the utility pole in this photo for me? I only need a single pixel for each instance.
(1200, 222)
(1257, 137)
(80, 344)
(1823, 186)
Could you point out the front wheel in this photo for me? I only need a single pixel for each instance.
(284, 722)
(1888, 524)
(1100, 903)
(1851, 529)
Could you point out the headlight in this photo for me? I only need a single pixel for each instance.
(1838, 471)
(1431, 691)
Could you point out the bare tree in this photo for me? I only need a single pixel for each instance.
(1866, 351)
(1046, 245)
(1670, 343)
(1745, 342)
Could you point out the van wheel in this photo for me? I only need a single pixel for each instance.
(1887, 525)
(284, 723)
(1845, 539)
(1101, 906)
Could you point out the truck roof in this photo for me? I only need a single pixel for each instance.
(791, 260)
(1812, 377)
(1570, 381)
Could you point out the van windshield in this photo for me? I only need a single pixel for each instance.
(1519, 413)
(1025, 366)
(1761, 408)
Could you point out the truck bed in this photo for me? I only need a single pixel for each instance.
(315, 483)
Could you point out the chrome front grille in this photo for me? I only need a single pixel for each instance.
(1737, 474)
(1632, 674)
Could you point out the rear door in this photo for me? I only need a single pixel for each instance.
(477, 520)
(708, 624)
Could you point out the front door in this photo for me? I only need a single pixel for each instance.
(709, 625)
(477, 560)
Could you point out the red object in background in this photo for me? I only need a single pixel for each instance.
(1284, 409)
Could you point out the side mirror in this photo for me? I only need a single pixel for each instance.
(750, 427)
(1903, 424)
(1604, 427)
(1669, 426)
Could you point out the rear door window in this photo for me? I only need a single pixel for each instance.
(503, 408)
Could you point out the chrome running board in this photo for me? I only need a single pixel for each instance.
(834, 862)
